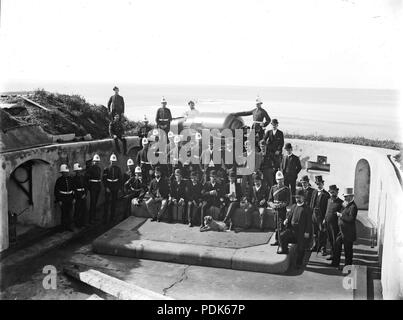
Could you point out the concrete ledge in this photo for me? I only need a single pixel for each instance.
(125, 240)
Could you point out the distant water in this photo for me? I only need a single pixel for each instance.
(327, 111)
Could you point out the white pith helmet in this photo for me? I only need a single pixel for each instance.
(155, 132)
(130, 162)
(279, 175)
(163, 100)
(113, 157)
(258, 100)
(76, 167)
(198, 136)
(137, 170)
(177, 139)
(144, 141)
(170, 134)
(64, 168)
(96, 158)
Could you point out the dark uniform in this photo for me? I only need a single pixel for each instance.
(144, 164)
(333, 206)
(116, 105)
(267, 167)
(319, 206)
(134, 188)
(232, 201)
(116, 129)
(308, 194)
(257, 199)
(211, 200)
(194, 198)
(80, 194)
(347, 234)
(64, 193)
(259, 114)
(94, 178)
(112, 179)
(144, 130)
(299, 222)
(178, 191)
(163, 119)
(275, 142)
(280, 197)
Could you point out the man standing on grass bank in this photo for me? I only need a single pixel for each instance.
(116, 104)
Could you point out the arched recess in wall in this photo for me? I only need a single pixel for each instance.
(362, 184)
(28, 189)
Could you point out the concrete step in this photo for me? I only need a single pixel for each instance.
(135, 237)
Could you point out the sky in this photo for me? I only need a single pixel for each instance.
(310, 43)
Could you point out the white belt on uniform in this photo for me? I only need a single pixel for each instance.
(80, 189)
(93, 180)
(112, 180)
(66, 192)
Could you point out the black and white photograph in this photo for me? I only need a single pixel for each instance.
(199, 150)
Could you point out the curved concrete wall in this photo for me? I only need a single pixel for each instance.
(45, 171)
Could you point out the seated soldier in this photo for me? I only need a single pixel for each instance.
(298, 227)
(233, 196)
(193, 196)
(135, 189)
(178, 193)
(257, 200)
(159, 194)
(212, 193)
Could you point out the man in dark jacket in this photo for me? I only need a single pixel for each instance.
(144, 129)
(135, 189)
(279, 199)
(267, 166)
(116, 104)
(213, 196)
(233, 195)
(298, 227)
(319, 205)
(143, 162)
(178, 195)
(94, 179)
(163, 117)
(347, 234)
(194, 196)
(112, 180)
(308, 190)
(260, 119)
(80, 195)
(116, 132)
(159, 196)
(64, 196)
(334, 205)
(275, 142)
(290, 166)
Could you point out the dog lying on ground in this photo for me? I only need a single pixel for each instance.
(212, 225)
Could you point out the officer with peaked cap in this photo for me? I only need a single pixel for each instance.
(347, 229)
(298, 227)
(163, 117)
(80, 194)
(116, 104)
(64, 196)
(112, 179)
(94, 179)
(279, 199)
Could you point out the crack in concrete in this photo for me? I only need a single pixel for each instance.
(183, 277)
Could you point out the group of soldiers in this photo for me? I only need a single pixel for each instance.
(309, 217)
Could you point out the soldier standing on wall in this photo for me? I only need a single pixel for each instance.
(80, 195)
(112, 179)
(64, 196)
(164, 117)
(94, 178)
(116, 104)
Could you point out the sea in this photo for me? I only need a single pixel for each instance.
(346, 112)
